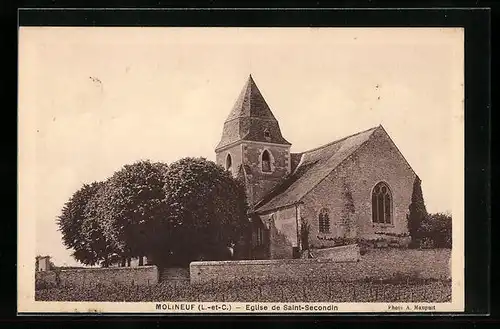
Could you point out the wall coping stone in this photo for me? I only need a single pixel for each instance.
(347, 246)
(83, 269)
(270, 262)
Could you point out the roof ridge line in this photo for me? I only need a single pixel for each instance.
(338, 140)
(251, 85)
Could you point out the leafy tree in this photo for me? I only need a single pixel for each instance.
(99, 249)
(207, 209)
(72, 223)
(417, 212)
(132, 212)
(437, 228)
(178, 213)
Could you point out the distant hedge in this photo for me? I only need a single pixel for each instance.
(436, 231)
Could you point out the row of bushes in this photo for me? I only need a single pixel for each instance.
(383, 241)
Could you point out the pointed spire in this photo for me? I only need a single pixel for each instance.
(250, 103)
(251, 119)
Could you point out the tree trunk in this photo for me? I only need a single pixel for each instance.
(141, 261)
(123, 262)
(128, 262)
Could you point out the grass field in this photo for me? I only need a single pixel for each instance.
(292, 291)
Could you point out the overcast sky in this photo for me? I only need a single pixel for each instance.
(94, 99)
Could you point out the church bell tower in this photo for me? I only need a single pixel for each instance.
(251, 146)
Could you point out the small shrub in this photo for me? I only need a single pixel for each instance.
(438, 229)
(426, 243)
(398, 235)
(304, 233)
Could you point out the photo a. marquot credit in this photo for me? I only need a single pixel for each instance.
(241, 170)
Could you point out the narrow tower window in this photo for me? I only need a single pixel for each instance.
(229, 162)
(267, 134)
(266, 161)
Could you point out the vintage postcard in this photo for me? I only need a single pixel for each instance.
(241, 170)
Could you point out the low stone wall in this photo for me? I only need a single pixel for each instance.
(173, 274)
(342, 253)
(382, 264)
(142, 275)
(423, 263)
(276, 269)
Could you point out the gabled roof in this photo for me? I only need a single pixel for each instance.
(313, 167)
(251, 119)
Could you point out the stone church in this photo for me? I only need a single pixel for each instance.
(357, 187)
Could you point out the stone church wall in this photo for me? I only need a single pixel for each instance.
(259, 183)
(263, 182)
(235, 151)
(283, 233)
(377, 160)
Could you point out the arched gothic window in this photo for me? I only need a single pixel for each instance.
(229, 162)
(324, 221)
(266, 161)
(381, 204)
